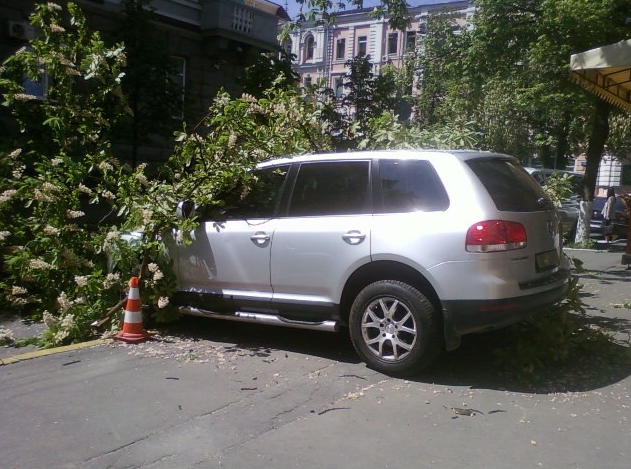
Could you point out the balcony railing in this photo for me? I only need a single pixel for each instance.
(246, 21)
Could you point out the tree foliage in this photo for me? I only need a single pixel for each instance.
(325, 11)
(61, 163)
(493, 86)
(66, 201)
(269, 69)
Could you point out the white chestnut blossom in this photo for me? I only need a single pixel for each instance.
(64, 302)
(84, 189)
(108, 195)
(49, 319)
(74, 213)
(81, 280)
(17, 290)
(7, 195)
(105, 166)
(51, 230)
(39, 264)
(17, 172)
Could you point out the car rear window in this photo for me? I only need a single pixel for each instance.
(510, 186)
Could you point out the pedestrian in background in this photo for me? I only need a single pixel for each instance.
(607, 213)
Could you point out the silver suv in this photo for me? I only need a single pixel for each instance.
(408, 249)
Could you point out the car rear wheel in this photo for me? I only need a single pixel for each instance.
(394, 328)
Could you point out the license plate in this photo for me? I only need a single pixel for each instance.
(547, 260)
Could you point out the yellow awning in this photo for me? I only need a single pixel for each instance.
(606, 71)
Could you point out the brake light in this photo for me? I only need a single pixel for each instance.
(496, 235)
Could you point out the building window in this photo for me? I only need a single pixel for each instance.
(178, 78)
(362, 45)
(410, 41)
(287, 46)
(36, 89)
(338, 87)
(307, 81)
(393, 43)
(178, 74)
(309, 47)
(340, 50)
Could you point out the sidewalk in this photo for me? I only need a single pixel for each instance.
(606, 289)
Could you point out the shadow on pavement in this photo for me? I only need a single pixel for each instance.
(607, 277)
(255, 338)
(472, 365)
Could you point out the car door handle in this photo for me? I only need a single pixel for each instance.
(354, 237)
(260, 238)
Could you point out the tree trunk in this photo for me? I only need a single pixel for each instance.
(597, 138)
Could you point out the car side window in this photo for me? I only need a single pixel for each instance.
(331, 188)
(260, 199)
(411, 185)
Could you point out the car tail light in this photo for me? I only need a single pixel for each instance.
(496, 235)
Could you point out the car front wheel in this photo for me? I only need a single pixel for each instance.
(394, 328)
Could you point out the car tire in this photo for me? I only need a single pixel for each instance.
(394, 328)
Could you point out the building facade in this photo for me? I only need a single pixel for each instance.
(322, 50)
(210, 42)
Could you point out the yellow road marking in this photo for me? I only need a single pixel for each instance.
(51, 351)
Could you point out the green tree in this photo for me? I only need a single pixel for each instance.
(368, 94)
(440, 70)
(71, 272)
(325, 11)
(269, 69)
(61, 164)
(516, 84)
(529, 43)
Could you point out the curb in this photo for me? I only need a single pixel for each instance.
(51, 351)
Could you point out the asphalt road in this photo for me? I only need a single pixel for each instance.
(209, 394)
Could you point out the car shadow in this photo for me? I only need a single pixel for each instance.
(474, 364)
(258, 338)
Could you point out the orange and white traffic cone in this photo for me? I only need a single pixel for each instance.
(133, 330)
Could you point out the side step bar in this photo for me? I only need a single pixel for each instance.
(268, 319)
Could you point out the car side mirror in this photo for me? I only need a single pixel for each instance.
(185, 209)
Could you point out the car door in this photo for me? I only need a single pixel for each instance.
(228, 262)
(322, 237)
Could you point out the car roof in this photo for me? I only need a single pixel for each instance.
(412, 154)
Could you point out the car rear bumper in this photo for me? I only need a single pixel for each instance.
(469, 316)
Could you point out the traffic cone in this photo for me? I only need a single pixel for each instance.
(133, 330)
